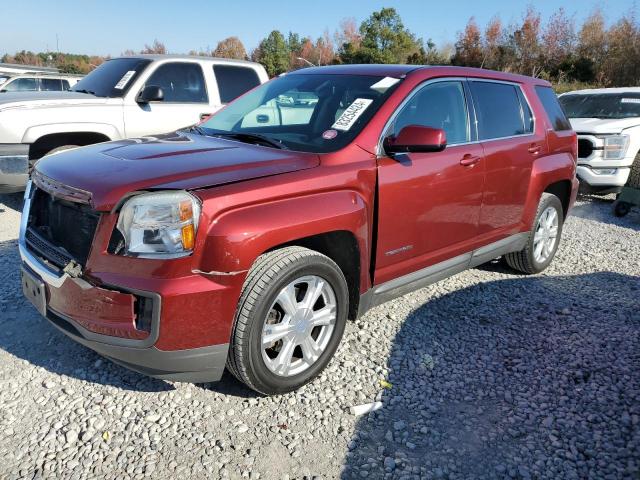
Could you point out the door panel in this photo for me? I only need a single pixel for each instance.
(429, 203)
(429, 208)
(185, 101)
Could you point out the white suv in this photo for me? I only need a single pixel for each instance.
(35, 82)
(607, 121)
(122, 98)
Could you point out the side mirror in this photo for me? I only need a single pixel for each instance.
(416, 138)
(150, 93)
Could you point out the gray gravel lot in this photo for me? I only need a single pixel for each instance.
(494, 375)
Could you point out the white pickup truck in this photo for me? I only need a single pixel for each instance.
(124, 97)
(607, 121)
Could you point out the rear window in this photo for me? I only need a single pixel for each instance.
(50, 84)
(234, 80)
(552, 107)
(499, 110)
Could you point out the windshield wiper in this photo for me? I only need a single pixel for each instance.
(197, 129)
(90, 92)
(251, 137)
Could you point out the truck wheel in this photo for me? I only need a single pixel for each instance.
(289, 322)
(634, 174)
(543, 239)
(621, 209)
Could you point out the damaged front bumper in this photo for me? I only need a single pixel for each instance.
(118, 322)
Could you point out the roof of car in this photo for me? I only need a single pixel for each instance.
(592, 91)
(158, 56)
(403, 70)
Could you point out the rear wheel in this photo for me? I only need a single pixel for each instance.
(543, 239)
(290, 319)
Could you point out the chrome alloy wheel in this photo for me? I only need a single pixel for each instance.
(546, 235)
(299, 325)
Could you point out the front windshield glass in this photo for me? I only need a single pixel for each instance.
(305, 112)
(601, 105)
(113, 78)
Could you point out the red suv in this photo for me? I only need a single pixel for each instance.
(249, 240)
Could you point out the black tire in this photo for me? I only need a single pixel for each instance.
(634, 175)
(524, 260)
(269, 274)
(621, 209)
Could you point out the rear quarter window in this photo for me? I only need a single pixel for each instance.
(234, 80)
(552, 108)
(499, 110)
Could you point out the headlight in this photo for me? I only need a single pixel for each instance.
(615, 147)
(159, 224)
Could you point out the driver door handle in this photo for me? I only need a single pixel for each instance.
(469, 160)
(534, 148)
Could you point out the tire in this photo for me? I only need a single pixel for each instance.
(272, 275)
(621, 209)
(526, 260)
(634, 175)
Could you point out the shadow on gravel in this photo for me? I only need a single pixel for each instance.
(600, 209)
(531, 377)
(12, 201)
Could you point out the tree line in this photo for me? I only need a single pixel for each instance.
(559, 50)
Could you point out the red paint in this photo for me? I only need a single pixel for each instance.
(430, 206)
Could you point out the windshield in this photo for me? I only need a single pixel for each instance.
(113, 78)
(306, 112)
(601, 105)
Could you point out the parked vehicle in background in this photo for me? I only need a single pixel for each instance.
(124, 97)
(249, 244)
(607, 121)
(34, 82)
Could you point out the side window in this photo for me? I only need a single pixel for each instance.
(22, 85)
(50, 85)
(65, 84)
(233, 81)
(180, 82)
(527, 114)
(438, 105)
(498, 109)
(552, 108)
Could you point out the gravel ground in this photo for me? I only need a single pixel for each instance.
(493, 374)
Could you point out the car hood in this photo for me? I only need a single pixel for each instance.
(47, 99)
(603, 125)
(109, 171)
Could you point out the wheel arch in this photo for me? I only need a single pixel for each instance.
(44, 144)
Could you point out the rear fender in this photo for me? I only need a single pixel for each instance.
(546, 171)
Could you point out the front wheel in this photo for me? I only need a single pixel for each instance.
(543, 240)
(290, 320)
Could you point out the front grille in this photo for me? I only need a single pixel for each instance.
(585, 148)
(60, 230)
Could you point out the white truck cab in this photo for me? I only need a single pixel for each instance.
(607, 121)
(124, 97)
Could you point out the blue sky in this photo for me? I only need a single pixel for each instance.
(112, 26)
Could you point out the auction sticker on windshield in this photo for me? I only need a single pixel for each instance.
(351, 114)
(125, 79)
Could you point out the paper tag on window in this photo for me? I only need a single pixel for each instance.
(630, 100)
(125, 79)
(384, 84)
(351, 114)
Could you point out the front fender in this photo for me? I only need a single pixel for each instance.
(238, 237)
(37, 131)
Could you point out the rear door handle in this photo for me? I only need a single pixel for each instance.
(534, 149)
(469, 160)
